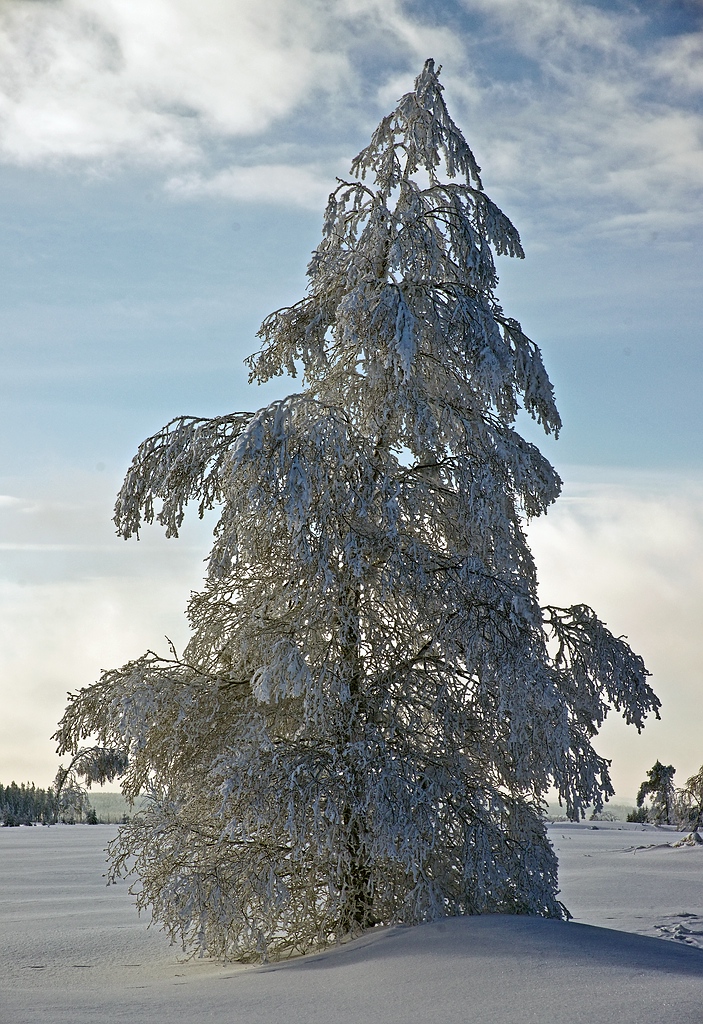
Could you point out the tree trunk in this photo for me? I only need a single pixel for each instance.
(356, 881)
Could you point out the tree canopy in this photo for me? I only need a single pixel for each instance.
(372, 704)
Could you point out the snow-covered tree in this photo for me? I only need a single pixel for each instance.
(659, 786)
(373, 704)
(689, 803)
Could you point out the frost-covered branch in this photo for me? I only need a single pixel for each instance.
(91, 764)
(181, 462)
(595, 663)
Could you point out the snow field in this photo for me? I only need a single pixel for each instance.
(73, 950)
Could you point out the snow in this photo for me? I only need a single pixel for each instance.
(632, 878)
(73, 950)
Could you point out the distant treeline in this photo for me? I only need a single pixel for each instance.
(25, 804)
(28, 805)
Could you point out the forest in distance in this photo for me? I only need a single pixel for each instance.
(27, 804)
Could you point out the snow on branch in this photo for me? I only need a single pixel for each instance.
(595, 663)
(414, 135)
(181, 462)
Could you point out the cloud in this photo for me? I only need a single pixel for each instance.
(679, 62)
(285, 184)
(169, 83)
(154, 82)
(588, 117)
(148, 81)
(61, 531)
(557, 30)
(75, 599)
(631, 546)
(603, 126)
(57, 638)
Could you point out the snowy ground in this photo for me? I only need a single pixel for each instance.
(72, 951)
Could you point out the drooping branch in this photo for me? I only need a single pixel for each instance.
(93, 764)
(593, 662)
(181, 462)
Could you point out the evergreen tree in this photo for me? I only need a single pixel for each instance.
(659, 785)
(25, 804)
(373, 704)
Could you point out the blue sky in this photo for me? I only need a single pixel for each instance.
(164, 166)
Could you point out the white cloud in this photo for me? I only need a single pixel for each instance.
(162, 83)
(629, 545)
(155, 81)
(274, 184)
(605, 132)
(556, 30)
(679, 61)
(147, 80)
(74, 599)
(601, 129)
(57, 638)
(632, 548)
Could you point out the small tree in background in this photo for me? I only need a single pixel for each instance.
(659, 786)
(689, 803)
(373, 704)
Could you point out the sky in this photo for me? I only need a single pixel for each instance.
(164, 166)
